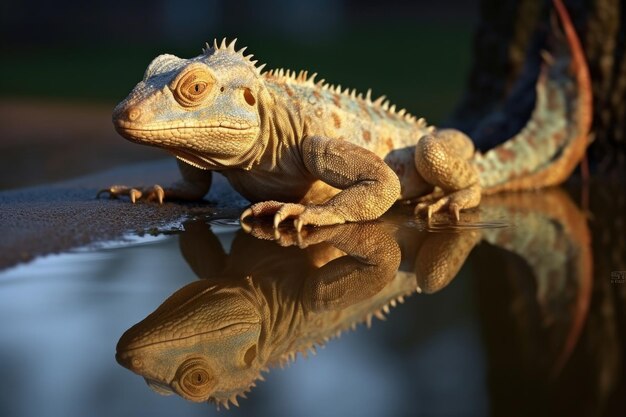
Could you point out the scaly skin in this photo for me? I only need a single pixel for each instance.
(264, 303)
(321, 155)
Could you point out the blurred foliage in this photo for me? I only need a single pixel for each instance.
(420, 67)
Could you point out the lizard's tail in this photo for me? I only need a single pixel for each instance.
(548, 148)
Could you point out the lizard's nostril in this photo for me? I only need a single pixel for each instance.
(133, 114)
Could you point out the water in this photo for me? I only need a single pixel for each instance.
(520, 311)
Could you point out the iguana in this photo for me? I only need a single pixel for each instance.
(212, 338)
(303, 149)
(263, 303)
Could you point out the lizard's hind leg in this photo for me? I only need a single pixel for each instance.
(443, 160)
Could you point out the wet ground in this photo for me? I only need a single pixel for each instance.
(520, 310)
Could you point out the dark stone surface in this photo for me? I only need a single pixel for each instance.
(54, 218)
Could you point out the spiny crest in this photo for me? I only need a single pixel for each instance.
(230, 47)
(233, 399)
(380, 313)
(288, 357)
(302, 77)
(226, 401)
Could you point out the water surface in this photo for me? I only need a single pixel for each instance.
(517, 311)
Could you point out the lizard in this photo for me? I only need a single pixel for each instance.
(261, 306)
(318, 154)
(271, 299)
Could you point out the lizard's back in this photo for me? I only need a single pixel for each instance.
(343, 114)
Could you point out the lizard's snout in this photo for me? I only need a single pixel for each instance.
(133, 114)
(128, 121)
(123, 114)
(129, 361)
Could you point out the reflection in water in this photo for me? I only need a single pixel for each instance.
(551, 308)
(552, 352)
(275, 296)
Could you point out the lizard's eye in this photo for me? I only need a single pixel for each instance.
(192, 87)
(194, 380)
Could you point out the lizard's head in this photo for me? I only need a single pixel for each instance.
(205, 110)
(201, 343)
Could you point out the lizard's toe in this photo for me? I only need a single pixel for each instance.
(282, 236)
(430, 208)
(134, 195)
(104, 191)
(435, 195)
(298, 224)
(242, 219)
(420, 207)
(264, 208)
(438, 205)
(302, 215)
(453, 202)
(244, 226)
(455, 210)
(155, 192)
(280, 211)
(317, 216)
(114, 191)
(286, 211)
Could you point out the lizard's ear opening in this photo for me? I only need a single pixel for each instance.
(249, 97)
(250, 355)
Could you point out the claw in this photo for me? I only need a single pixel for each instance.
(113, 191)
(246, 213)
(456, 212)
(134, 195)
(277, 219)
(104, 190)
(299, 239)
(160, 193)
(149, 194)
(298, 223)
(245, 226)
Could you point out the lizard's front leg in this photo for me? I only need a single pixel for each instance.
(368, 186)
(193, 186)
(444, 160)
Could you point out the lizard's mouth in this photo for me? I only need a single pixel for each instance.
(162, 135)
(121, 127)
(190, 144)
(227, 330)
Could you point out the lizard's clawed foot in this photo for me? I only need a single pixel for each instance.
(453, 202)
(302, 215)
(154, 193)
(290, 237)
(431, 197)
(283, 237)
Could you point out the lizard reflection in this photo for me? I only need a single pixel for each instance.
(265, 302)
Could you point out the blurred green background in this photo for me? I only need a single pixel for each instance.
(66, 64)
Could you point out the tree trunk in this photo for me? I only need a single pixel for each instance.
(506, 64)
